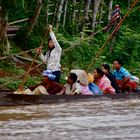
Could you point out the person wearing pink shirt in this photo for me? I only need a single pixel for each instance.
(103, 82)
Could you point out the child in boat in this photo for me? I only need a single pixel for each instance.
(106, 69)
(103, 82)
(123, 77)
(72, 87)
(52, 87)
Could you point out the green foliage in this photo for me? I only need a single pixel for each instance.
(125, 46)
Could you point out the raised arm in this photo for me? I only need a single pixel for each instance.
(55, 42)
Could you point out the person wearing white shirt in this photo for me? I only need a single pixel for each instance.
(53, 55)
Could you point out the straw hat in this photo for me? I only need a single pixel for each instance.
(40, 90)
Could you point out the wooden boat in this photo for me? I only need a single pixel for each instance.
(10, 99)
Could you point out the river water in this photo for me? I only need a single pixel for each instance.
(92, 120)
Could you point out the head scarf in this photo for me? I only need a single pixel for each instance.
(49, 74)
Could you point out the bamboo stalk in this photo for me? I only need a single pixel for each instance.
(65, 12)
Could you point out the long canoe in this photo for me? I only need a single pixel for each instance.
(10, 99)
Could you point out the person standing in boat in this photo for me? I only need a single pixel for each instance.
(106, 69)
(123, 76)
(53, 55)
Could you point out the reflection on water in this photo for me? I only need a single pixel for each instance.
(95, 120)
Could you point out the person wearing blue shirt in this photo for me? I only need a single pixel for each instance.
(122, 76)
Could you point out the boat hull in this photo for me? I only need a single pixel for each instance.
(11, 99)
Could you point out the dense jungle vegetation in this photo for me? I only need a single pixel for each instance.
(74, 30)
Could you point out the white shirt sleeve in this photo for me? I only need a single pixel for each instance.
(77, 88)
(55, 42)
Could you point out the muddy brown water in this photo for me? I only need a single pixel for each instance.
(93, 120)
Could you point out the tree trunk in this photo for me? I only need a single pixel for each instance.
(110, 9)
(47, 13)
(53, 21)
(86, 10)
(73, 14)
(80, 5)
(59, 13)
(95, 10)
(101, 11)
(3, 30)
(129, 3)
(65, 12)
(86, 18)
(35, 17)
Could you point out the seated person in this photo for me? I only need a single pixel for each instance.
(92, 86)
(110, 76)
(51, 86)
(122, 77)
(102, 81)
(83, 81)
(72, 87)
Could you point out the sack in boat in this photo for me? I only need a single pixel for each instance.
(40, 90)
(82, 76)
(95, 89)
(26, 91)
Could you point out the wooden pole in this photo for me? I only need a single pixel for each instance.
(27, 73)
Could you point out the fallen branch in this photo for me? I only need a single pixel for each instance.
(5, 57)
(18, 21)
(25, 58)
